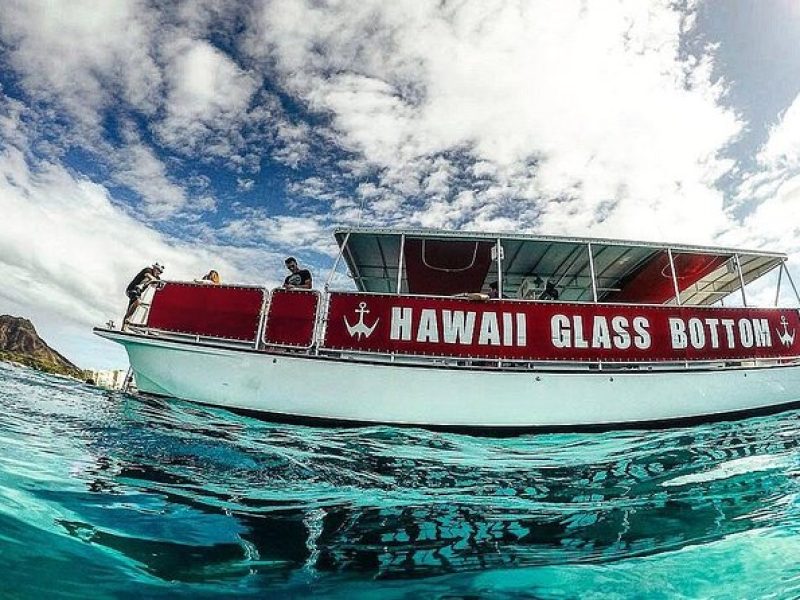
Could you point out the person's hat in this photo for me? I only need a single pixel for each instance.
(158, 267)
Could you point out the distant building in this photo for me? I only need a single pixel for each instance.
(112, 380)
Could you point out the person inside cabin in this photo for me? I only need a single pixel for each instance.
(137, 286)
(493, 291)
(298, 279)
(550, 292)
(212, 278)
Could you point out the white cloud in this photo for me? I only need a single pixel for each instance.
(138, 167)
(293, 148)
(768, 197)
(589, 104)
(67, 250)
(244, 185)
(207, 94)
(287, 233)
(83, 55)
(782, 148)
(127, 58)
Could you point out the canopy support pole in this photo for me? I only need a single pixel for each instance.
(499, 269)
(674, 276)
(336, 262)
(778, 288)
(789, 277)
(591, 272)
(741, 278)
(400, 263)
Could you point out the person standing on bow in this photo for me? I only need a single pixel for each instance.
(138, 285)
(298, 279)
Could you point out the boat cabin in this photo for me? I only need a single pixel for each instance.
(436, 263)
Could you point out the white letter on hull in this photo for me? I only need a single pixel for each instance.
(559, 331)
(457, 327)
(746, 333)
(713, 325)
(601, 336)
(728, 325)
(642, 338)
(696, 334)
(508, 329)
(522, 330)
(763, 336)
(622, 339)
(401, 324)
(677, 331)
(428, 326)
(490, 330)
(580, 342)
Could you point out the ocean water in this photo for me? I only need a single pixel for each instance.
(105, 495)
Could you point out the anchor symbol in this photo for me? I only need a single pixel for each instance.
(786, 338)
(360, 330)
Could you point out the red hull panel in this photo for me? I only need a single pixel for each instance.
(290, 318)
(207, 310)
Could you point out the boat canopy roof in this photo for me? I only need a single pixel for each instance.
(443, 263)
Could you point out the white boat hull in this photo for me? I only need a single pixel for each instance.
(350, 391)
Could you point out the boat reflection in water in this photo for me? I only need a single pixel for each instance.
(221, 497)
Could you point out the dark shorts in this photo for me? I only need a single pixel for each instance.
(133, 296)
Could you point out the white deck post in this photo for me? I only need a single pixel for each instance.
(336, 262)
(262, 318)
(778, 288)
(674, 276)
(591, 272)
(499, 270)
(791, 281)
(741, 278)
(499, 282)
(400, 265)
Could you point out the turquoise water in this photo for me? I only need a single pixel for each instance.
(107, 495)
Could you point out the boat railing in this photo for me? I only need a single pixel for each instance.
(357, 326)
(470, 363)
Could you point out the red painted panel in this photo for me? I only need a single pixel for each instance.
(209, 310)
(556, 331)
(652, 284)
(291, 317)
(446, 267)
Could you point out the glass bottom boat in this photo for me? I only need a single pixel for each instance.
(582, 334)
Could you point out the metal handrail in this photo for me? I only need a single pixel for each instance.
(505, 364)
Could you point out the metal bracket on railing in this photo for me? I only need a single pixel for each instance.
(262, 318)
(321, 322)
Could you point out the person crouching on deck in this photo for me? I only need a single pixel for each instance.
(137, 286)
(298, 279)
(212, 278)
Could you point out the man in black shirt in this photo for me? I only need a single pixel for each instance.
(298, 279)
(138, 285)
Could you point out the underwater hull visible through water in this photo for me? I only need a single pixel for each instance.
(302, 387)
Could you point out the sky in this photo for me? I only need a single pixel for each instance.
(228, 134)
